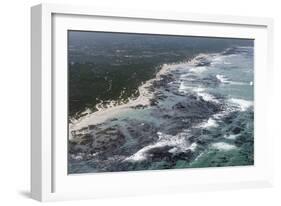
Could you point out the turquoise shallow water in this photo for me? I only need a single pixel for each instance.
(231, 138)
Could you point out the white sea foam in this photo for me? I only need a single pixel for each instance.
(207, 97)
(219, 59)
(231, 136)
(77, 157)
(173, 150)
(241, 103)
(222, 78)
(183, 88)
(245, 47)
(179, 143)
(193, 146)
(199, 57)
(223, 146)
(209, 123)
(239, 83)
(221, 114)
(198, 70)
(212, 122)
(199, 91)
(225, 80)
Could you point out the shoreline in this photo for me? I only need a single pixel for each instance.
(110, 112)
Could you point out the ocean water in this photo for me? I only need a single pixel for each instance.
(193, 114)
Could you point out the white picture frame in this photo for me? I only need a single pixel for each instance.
(49, 179)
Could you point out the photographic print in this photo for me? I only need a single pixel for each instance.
(152, 102)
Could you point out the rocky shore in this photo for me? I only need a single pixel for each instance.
(163, 128)
(106, 145)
